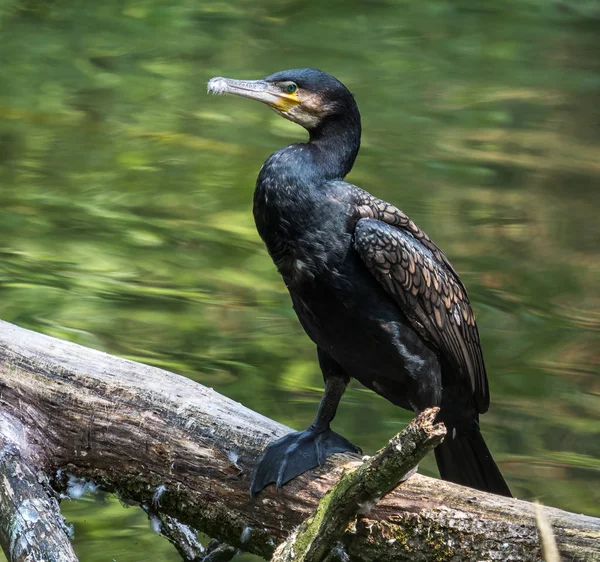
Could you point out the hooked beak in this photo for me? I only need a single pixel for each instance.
(259, 90)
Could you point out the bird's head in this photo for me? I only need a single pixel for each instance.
(306, 96)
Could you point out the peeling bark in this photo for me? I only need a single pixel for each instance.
(164, 441)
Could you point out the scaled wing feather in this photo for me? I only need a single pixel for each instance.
(416, 273)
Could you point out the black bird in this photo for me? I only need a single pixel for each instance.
(380, 300)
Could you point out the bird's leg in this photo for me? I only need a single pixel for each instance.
(334, 389)
(300, 451)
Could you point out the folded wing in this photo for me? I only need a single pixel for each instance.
(415, 272)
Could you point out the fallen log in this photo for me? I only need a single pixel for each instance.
(185, 451)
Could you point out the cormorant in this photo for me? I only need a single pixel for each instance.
(380, 300)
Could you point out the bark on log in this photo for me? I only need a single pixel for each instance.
(164, 441)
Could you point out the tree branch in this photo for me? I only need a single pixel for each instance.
(31, 526)
(137, 430)
(181, 536)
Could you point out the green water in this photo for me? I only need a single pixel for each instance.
(125, 205)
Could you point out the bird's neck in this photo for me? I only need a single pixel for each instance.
(335, 143)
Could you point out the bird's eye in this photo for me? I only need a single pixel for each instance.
(291, 88)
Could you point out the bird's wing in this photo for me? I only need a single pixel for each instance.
(416, 273)
(374, 208)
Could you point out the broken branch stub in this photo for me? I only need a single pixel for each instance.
(360, 489)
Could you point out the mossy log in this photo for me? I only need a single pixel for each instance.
(168, 443)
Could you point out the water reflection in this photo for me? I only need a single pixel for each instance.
(125, 218)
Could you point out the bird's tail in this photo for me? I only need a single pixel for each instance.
(463, 458)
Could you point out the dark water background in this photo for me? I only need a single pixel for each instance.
(125, 205)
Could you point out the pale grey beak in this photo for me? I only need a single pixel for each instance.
(258, 90)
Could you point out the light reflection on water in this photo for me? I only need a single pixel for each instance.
(125, 218)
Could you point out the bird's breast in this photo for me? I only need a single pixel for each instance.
(307, 233)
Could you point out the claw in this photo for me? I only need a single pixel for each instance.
(294, 454)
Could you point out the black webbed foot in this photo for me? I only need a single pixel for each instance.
(294, 454)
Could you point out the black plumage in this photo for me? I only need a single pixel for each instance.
(380, 300)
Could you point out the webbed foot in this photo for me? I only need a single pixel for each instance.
(294, 454)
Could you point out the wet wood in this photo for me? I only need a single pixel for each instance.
(164, 441)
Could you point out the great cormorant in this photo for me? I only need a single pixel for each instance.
(380, 300)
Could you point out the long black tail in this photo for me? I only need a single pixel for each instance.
(463, 458)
